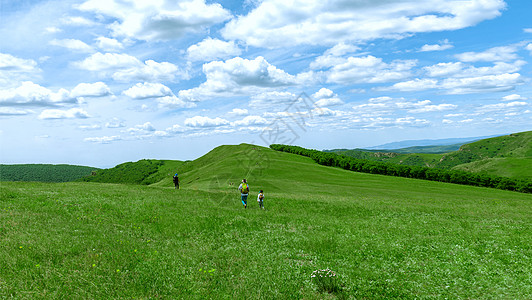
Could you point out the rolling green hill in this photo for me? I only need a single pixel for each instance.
(507, 156)
(384, 237)
(145, 171)
(43, 172)
(510, 154)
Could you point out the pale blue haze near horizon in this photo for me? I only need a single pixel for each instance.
(101, 82)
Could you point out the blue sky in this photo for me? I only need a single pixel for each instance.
(101, 82)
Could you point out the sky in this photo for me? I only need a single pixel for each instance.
(102, 82)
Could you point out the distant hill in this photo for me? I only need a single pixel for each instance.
(44, 172)
(421, 143)
(509, 156)
(145, 171)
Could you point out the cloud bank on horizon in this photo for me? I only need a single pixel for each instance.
(101, 82)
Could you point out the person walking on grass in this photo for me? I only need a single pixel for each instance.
(244, 192)
(260, 199)
(176, 181)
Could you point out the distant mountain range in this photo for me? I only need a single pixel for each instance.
(438, 142)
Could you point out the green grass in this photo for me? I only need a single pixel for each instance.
(43, 172)
(384, 237)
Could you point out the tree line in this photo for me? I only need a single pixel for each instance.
(417, 172)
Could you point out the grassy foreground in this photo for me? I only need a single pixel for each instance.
(384, 237)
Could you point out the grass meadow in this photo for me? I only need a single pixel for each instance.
(383, 237)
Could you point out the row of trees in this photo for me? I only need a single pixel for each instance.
(374, 167)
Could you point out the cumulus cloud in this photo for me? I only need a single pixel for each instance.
(72, 44)
(250, 120)
(77, 21)
(97, 89)
(329, 22)
(148, 90)
(333, 56)
(325, 97)
(211, 49)
(238, 76)
(436, 47)
(32, 94)
(163, 95)
(108, 45)
(14, 69)
(369, 69)
(239, 112)
(529, 48)
(123, 67)
(200, 121)
(143, 128)
(513, 97)
(504, 53)
(103, 140)
(157, 20)
(488, 83)
(29, 93)
(73, 113)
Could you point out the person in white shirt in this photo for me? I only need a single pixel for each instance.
(260, 199)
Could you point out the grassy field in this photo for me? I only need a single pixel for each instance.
(384, 237)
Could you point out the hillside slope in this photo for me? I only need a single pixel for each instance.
(145, 171)
(507, 156)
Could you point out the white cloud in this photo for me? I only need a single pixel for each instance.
(10, 111)
(211, 49)
(239, 112)
(142, 129)
(513, 97)
(502, 106)
(90, 127)
(527, 30)
(529, 48)
(274, 22)
(437, 47)
(97, 89)
(333, 56)
(14, 69)
(369, 69)
(414, 85)
(238, 76)
(504, 53)
(489, 83)
(123, 67)
(325, 97)
(173, 102)
(157, 20)
(103, 140)
(115, 123)
(200, 121)
(250, 120)
(77, 21)
(29, 93)
(72, 44)
(148, 90)
(108, 45)
(73, 113)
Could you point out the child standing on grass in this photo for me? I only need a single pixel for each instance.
(260, 199)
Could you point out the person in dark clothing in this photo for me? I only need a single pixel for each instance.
(176, 181)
